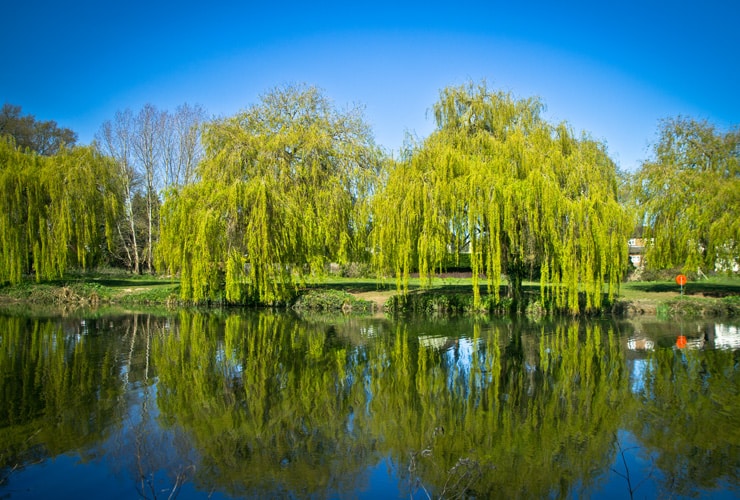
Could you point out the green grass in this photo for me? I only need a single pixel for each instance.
(715, 296)
(112, 287)
(93, 289)
(694, 307)
(355, 285)
(712, 287)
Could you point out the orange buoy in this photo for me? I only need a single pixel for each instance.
(681, 341)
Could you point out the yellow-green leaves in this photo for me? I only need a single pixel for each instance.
(688, 195)
(282, 192)
(55, 211)
(519, 195)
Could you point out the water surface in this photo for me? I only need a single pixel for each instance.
(260, 405)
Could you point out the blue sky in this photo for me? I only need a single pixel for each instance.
(611, 70)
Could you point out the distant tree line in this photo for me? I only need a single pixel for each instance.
(248, 207)
(45, 138)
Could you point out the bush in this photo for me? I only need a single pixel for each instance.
(690, 307)
(666, 275)
(331, 300)
(435, 302)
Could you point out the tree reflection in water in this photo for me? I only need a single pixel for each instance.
(267, 404)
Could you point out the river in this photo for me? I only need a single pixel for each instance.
(218, 404)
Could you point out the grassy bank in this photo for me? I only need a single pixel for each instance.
(94, 289)
(717, 296)
(698, 307)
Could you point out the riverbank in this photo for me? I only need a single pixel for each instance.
(718, 296)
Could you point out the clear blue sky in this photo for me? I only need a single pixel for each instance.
(612, 69)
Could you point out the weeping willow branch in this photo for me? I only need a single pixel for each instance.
(282, 192)
(55, 211)
(516, 193)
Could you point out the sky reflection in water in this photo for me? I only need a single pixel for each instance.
(269, 405)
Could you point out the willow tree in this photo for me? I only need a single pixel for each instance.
(55, 212)
(689, 197)
(518, 194)
(281, 192)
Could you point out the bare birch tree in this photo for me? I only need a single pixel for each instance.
(149, 131)
(181, 145)
(116, 139)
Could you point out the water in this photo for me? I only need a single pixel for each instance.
(261, 405)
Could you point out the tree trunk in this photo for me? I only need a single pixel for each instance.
(515, 276)
(135, 247)
(149, 242)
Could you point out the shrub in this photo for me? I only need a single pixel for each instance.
(331, 300)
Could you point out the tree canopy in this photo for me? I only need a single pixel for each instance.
(281, 193)
(497, 181)
(152, 150)
(43, 137)
(247, 207)
(55, 211)
(688, 197)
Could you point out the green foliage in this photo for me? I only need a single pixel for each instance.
(55, 211)
(688, 196)
(651, 274)
(282, 193)
(516, 193)
(264, 405)
(60, 390)
(431, 302)
(694, 307)
(272, 404)
(330, 300)
(73, 294)
(153, 150)
(166, 295)
(687, 417)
